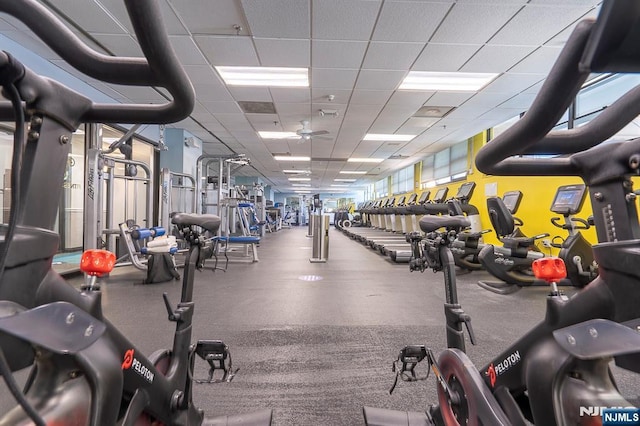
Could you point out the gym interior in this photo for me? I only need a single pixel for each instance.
(341, 246)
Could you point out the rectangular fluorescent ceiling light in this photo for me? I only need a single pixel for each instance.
(301, 184)
(299, 179)
(448, 81)
(279, 135)
(290, 158)
(352, 172)
(344, 180)
(296, 171)
(301, 191)
(365, 160)
(390, 137)
(264, 76)
(342, 186)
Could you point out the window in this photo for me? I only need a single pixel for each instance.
(382, 188)
(402, 180)
(445, 166)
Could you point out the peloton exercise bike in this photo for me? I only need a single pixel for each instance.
(84, 370)
(559, 370)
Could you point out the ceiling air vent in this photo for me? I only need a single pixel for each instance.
(250, 107)
(433, 111)
(398, 157)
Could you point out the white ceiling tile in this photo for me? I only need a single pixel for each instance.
(391, 56)
(536, 24)
(372, 97)
(513, 82)
(259, 94)
(333, 78)
(278, 18)
(202, 74)
(444, 57)
(117, 9)
(138, 94)
(233, 121)
(417, 125)
(291, 94)
(539, 62)
(208, 92)
(283, 52)
(496, 59)
(319, 94)
(120, 44)
(379, 79)
(222, 107)
(91, 16)
(187, 51)
(337, 53)
(286, 108)
(501, 114)
(232, 51)
(211, 17)
(31, 43)
(412, 98)
(448, 98)
(487, 100)
(521, 102)
(343, 20)
(473, 23)
(264, 121)
(409, 21)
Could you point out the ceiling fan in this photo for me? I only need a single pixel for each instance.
(306, 133)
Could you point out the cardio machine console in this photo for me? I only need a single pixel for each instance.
(569, 199)
(511, 200)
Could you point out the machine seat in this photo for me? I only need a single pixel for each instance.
(431, 223)
(518, 242)
(210, 222)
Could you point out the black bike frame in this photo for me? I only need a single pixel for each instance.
(615, 294)
(28, 279)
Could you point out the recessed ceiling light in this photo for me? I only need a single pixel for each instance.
(290, 158)
(295, 179)
(365, 160)
(301, 184)
(344, 180)
(302, 191)
(296, 171)
(352, 172)
(278, 135)
(387, 137)
(264, 76)
(342, 186)
(448, 81)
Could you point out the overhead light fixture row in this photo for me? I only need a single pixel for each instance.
(264, 76)
(344, 180)
(447, 81)
(299, 179)
(278, 135)
(352, 172)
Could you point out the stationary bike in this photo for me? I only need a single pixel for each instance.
(558, 373)
(84, 370)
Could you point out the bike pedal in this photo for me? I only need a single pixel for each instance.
(216, 353)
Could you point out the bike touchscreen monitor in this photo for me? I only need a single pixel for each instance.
(440, 195)
(569, 199)
(511, 200)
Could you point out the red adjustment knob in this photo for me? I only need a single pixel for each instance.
(550, 269)
(97, 262)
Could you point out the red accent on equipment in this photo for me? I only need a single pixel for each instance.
(550, 269)
(97, 262)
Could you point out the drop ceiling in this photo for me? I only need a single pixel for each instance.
(358, 52)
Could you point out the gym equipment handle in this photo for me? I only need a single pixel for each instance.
(160, 68)
(532, 134)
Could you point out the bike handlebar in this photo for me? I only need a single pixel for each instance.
(160, 67)
(532, 134)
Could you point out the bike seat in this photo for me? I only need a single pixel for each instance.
(210, 222)
(431, 223)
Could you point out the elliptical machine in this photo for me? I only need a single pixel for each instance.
(575, 250)
(558, 372)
